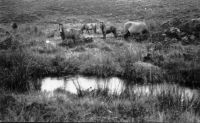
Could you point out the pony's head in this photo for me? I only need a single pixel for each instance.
(61, 28)
(82, 28)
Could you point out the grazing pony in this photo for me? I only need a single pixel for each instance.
(88, 27)
(135, 28)
(109, 29)
(69, 34)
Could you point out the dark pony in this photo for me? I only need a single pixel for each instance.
(106, 30)
(71, 34)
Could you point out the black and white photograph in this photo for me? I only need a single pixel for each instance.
(132, 61)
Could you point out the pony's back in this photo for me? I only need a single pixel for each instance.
(135, 26)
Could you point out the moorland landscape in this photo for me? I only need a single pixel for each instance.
(44, 40)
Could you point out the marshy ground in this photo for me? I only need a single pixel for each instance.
(35, 51)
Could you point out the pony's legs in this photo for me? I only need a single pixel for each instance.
(126, 35)
(88, 31)
(95, 30)
(74, 41)
(104, 36)
(115, 34)
(138, 36)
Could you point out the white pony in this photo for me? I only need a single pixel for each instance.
(135, 28)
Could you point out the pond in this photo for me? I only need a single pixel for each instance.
(72, 84)
(114, 85)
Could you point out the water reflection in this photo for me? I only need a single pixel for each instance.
(158, 89)
(114, 85)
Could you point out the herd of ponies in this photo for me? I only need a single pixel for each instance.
(137, 29)
(134, 29)
(131, 28)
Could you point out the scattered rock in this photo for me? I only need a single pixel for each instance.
(191, 27)
(171, 23)
(173, 32)
(192, 37)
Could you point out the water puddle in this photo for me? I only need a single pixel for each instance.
(114, 85)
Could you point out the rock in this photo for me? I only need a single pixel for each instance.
(185, 38)
(171, 23)
(192, 37)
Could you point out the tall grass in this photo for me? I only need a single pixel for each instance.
(15, 69)
(100, 64)
(167, 105)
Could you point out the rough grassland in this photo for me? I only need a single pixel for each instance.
(35, 50)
